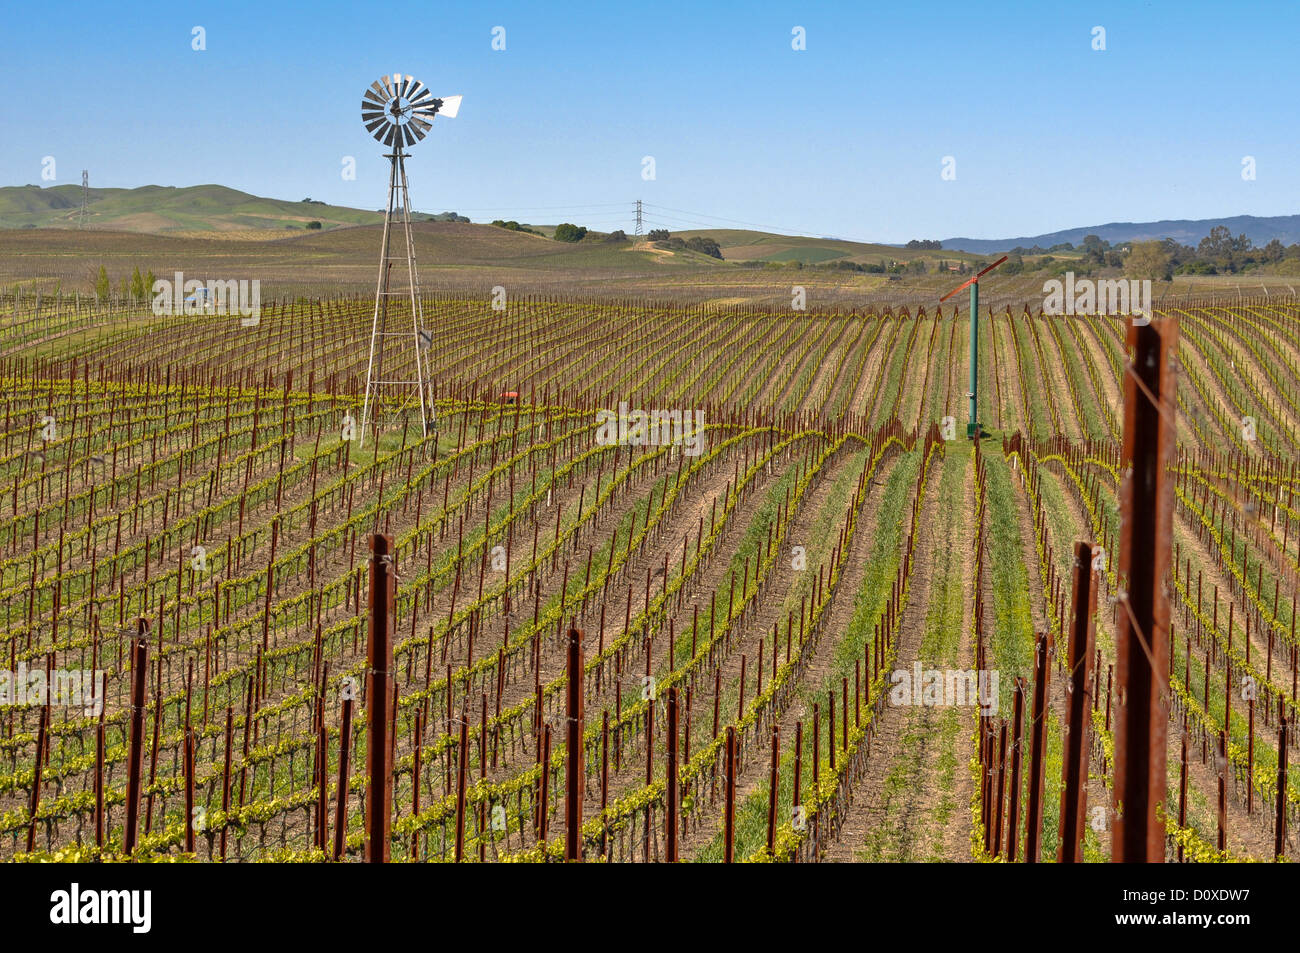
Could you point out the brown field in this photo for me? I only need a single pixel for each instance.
(472, 259)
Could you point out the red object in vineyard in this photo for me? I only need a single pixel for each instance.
(672, 821)
(1142, 642)
(1037, 751)
(341, 804)
(1074, 770)
(574, 775)
(729, 811)
(135, 754)
(379, 699)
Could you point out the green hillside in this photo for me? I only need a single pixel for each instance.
(740, 244)
(158, 208)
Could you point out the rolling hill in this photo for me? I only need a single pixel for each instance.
(738, 244)
(1260, 230)
(159, 208)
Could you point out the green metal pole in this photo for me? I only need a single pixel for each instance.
(973, 427)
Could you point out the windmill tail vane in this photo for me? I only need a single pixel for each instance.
(398, 111)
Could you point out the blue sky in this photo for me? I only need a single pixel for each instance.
(844, 138)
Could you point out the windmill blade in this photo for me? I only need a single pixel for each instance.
(418, 91)
(398, 110)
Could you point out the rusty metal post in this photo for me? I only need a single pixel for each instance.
(1037, 751)
(99, 781)
(1000, 753)
(604, 780)
(1222, 765)
(729, 811)
(341, 801)
(188, 759)
(1182, 791)
(574, 776)
(544, 799)
(1142, 643)
(798, 767)
(1017, 738)
(672, 821)
(1279, 822)
(773, 782)
(462, 780)
(1074, 770)
(379, 697)
(36, 778)
(135, 754)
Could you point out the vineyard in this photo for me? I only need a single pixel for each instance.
(631, 650)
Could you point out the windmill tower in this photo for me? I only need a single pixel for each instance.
(398, 111)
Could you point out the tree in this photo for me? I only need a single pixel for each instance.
(102, 287)
(137, 285)
(658, 235)
(1149, 260)
(1216, 247)
(568, 232)
(704, 245)
(616, 236)
(313, 224)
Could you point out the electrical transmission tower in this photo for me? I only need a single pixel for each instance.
(638, 223)
(85, 197)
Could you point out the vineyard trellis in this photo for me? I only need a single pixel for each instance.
(624, 650)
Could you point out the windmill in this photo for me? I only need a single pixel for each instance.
(399, 111)
(973, 425)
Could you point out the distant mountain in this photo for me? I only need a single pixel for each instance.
(1285, 228)
(158, 208)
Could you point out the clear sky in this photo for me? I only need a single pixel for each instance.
(844, 138)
